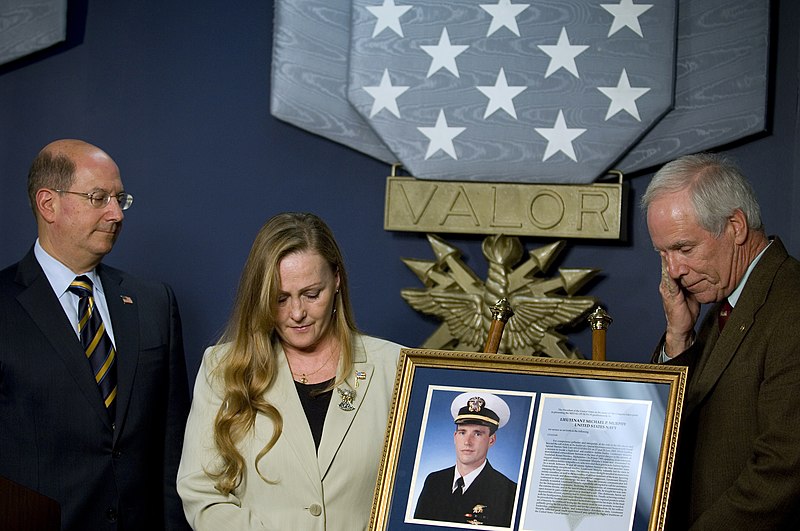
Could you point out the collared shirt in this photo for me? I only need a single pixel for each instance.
(60, 277)
(733, 298)
(469, 478)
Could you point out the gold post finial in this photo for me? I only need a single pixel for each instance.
(501, 313)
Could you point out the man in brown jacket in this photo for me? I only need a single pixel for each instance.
(738, 461)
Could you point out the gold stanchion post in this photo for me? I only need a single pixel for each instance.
(599, 321)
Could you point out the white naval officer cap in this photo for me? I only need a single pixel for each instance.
(479, 407)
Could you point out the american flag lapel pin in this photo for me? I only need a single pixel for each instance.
(126, 299)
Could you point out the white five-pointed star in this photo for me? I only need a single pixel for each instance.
(388, 17)
(562, 54)
(443, 55)
(501, 96)
(559, 138)
(441, 136)
(385, 95)
(623, 97)
(504, 14)
(626, 13)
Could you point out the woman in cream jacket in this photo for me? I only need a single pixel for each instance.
(289, 412)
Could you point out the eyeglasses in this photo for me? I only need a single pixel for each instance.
(101, 198)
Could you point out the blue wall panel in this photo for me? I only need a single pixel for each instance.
(179, 96)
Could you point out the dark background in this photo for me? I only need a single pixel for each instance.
(178, 94)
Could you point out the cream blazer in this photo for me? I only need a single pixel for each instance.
(329, 491)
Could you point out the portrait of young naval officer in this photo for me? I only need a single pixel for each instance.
(471, 491)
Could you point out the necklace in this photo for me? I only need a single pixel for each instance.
(303, 377)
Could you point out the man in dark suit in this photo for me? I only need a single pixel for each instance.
(104, 443)
(471, 492)
(738, 460)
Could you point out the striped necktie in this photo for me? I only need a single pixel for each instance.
(96, 342)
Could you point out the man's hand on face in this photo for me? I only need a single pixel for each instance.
(681, 309)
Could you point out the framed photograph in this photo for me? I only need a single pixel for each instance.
(527, 444)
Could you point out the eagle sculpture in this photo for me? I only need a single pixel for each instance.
(454, 294)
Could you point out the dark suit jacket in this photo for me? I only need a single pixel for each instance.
(738, 460)
(55, 434)
(490, 489)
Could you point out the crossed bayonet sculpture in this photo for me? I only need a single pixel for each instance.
(455, 294)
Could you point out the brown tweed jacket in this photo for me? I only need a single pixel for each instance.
(738, 461)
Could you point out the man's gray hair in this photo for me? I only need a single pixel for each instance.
(716, 187)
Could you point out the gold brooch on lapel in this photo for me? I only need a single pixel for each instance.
(347, 396)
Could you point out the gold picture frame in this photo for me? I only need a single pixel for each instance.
(587, 444)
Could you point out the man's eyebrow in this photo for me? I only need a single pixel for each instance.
(675, 245)
(680, 244)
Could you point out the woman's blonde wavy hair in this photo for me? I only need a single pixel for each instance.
(249, 365)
